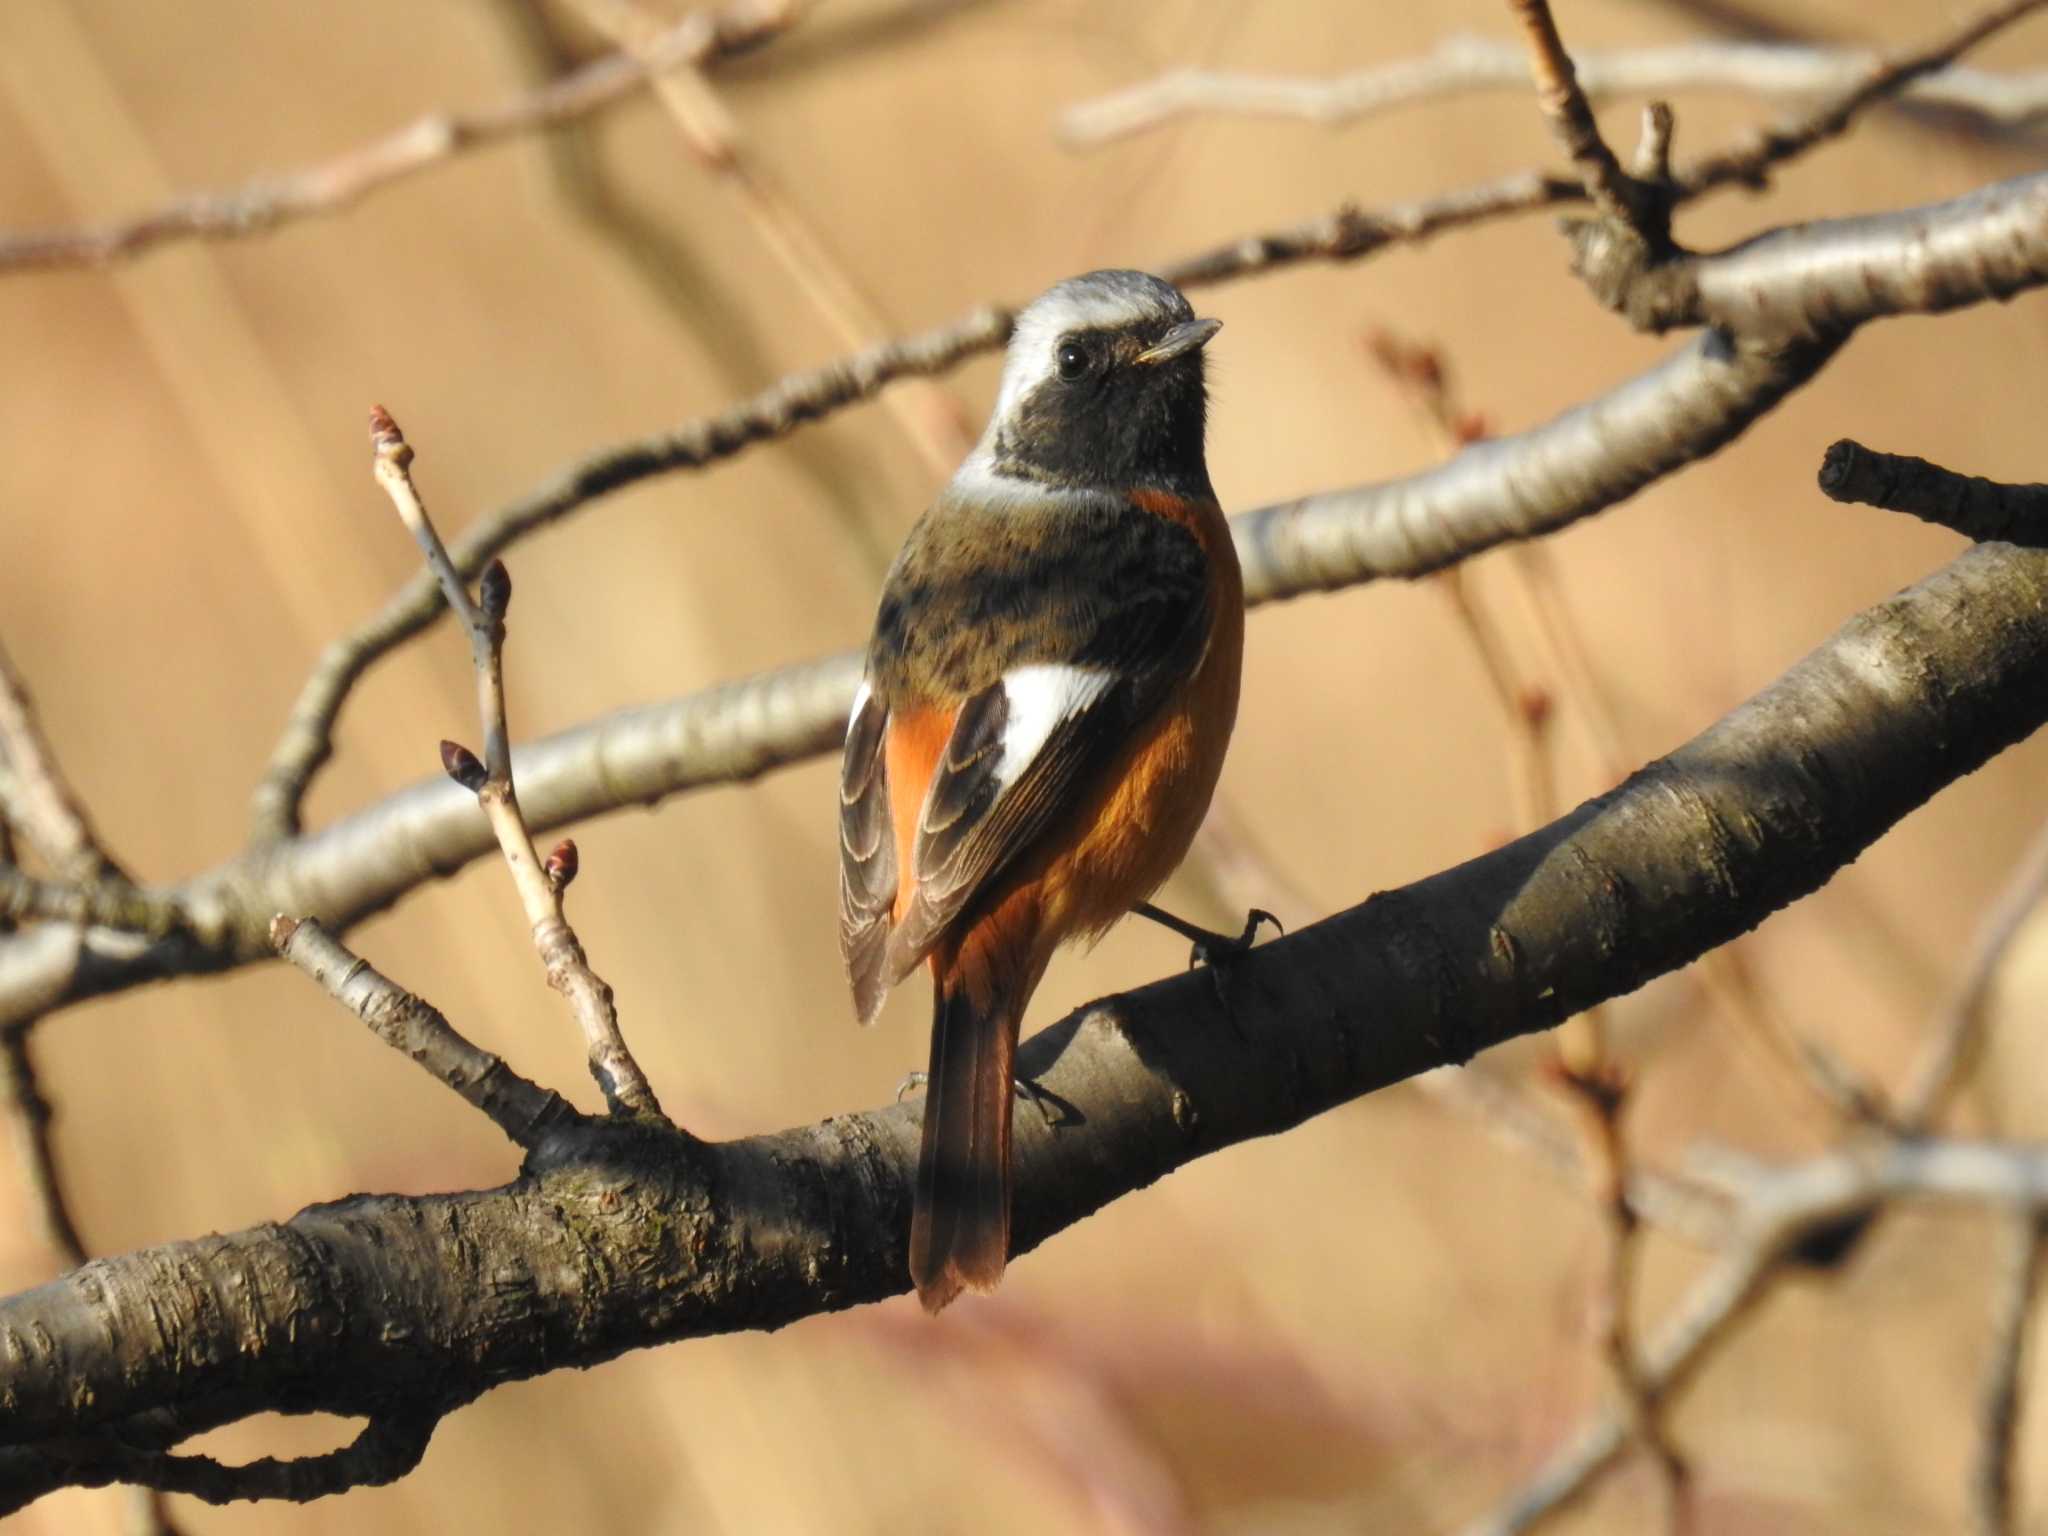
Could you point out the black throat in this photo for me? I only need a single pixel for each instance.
(1128, 427)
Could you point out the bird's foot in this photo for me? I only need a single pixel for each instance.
(1218, 951)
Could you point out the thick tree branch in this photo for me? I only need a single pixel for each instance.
(624, 1235)
(1812, 280)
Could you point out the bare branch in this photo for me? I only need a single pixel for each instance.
(1957, 1034)
(2022, 1243)
(522, 1109)
(1617, 195)
(1815, 281)
(307, 741)
(626, 1234)
(35, 798)
(28, 1112)
(1969, 504)
(330, 186)
(1747, 162)
(932, 421)
(1505, 489)
(1458, 66)
(1602, 1095)
(105, 903)
(625, 1086)
(387, 1449)
(1779, 1208)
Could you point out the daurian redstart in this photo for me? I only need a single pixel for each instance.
(1048, 696)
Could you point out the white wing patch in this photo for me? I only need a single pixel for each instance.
(860, 702)
(1039, 698)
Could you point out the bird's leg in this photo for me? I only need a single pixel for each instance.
(1028, 1091)
(1210, 948)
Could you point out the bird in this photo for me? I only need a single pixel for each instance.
(1045, 705)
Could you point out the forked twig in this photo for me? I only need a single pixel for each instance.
(625, 1086)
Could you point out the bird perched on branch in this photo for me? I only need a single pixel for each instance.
(1049, 692)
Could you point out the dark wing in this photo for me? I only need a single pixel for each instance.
(867, 854)
(1123, 618)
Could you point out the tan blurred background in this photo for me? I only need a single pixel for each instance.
(1377, 1323)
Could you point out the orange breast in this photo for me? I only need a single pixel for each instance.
(1136, 825)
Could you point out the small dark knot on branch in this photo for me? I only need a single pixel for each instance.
(282, 928)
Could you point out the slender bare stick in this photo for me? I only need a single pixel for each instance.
(1617, 194)
(29, 1114)
(1993, 1504)
(332, 185)
(1954, 1041)
(626, 1089)
(1460, 66)
(1601, 1096)
(1747, 161)
(522, 1109)
(35, 797)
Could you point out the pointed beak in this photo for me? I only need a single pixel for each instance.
(1184, 338)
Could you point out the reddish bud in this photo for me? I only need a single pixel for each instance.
(1535, 705)
(462, 766)
(385, 438)
(562, 865)
(1471, 427)
(495, 590)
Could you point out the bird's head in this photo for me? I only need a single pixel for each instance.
(1102, 388)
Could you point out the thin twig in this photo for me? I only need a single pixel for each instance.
(330, 186)
(1458, 66)
(1779, 1206)
(1747, 161)
(1601, 1095)
(521, 1108)
(1619, 196)
(2021, 1247)
(36, 798)
(28, 1112)
(625, 1086)
(1957, 1035)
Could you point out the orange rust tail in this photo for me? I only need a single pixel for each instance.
(960, 1226)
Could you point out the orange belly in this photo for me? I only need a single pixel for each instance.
(1135, 827)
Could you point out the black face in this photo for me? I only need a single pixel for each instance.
(1101, 418)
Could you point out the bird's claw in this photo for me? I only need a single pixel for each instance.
(1218, 950)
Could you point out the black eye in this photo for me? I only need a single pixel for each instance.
(1073, 359)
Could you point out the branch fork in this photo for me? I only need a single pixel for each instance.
(568, 970)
